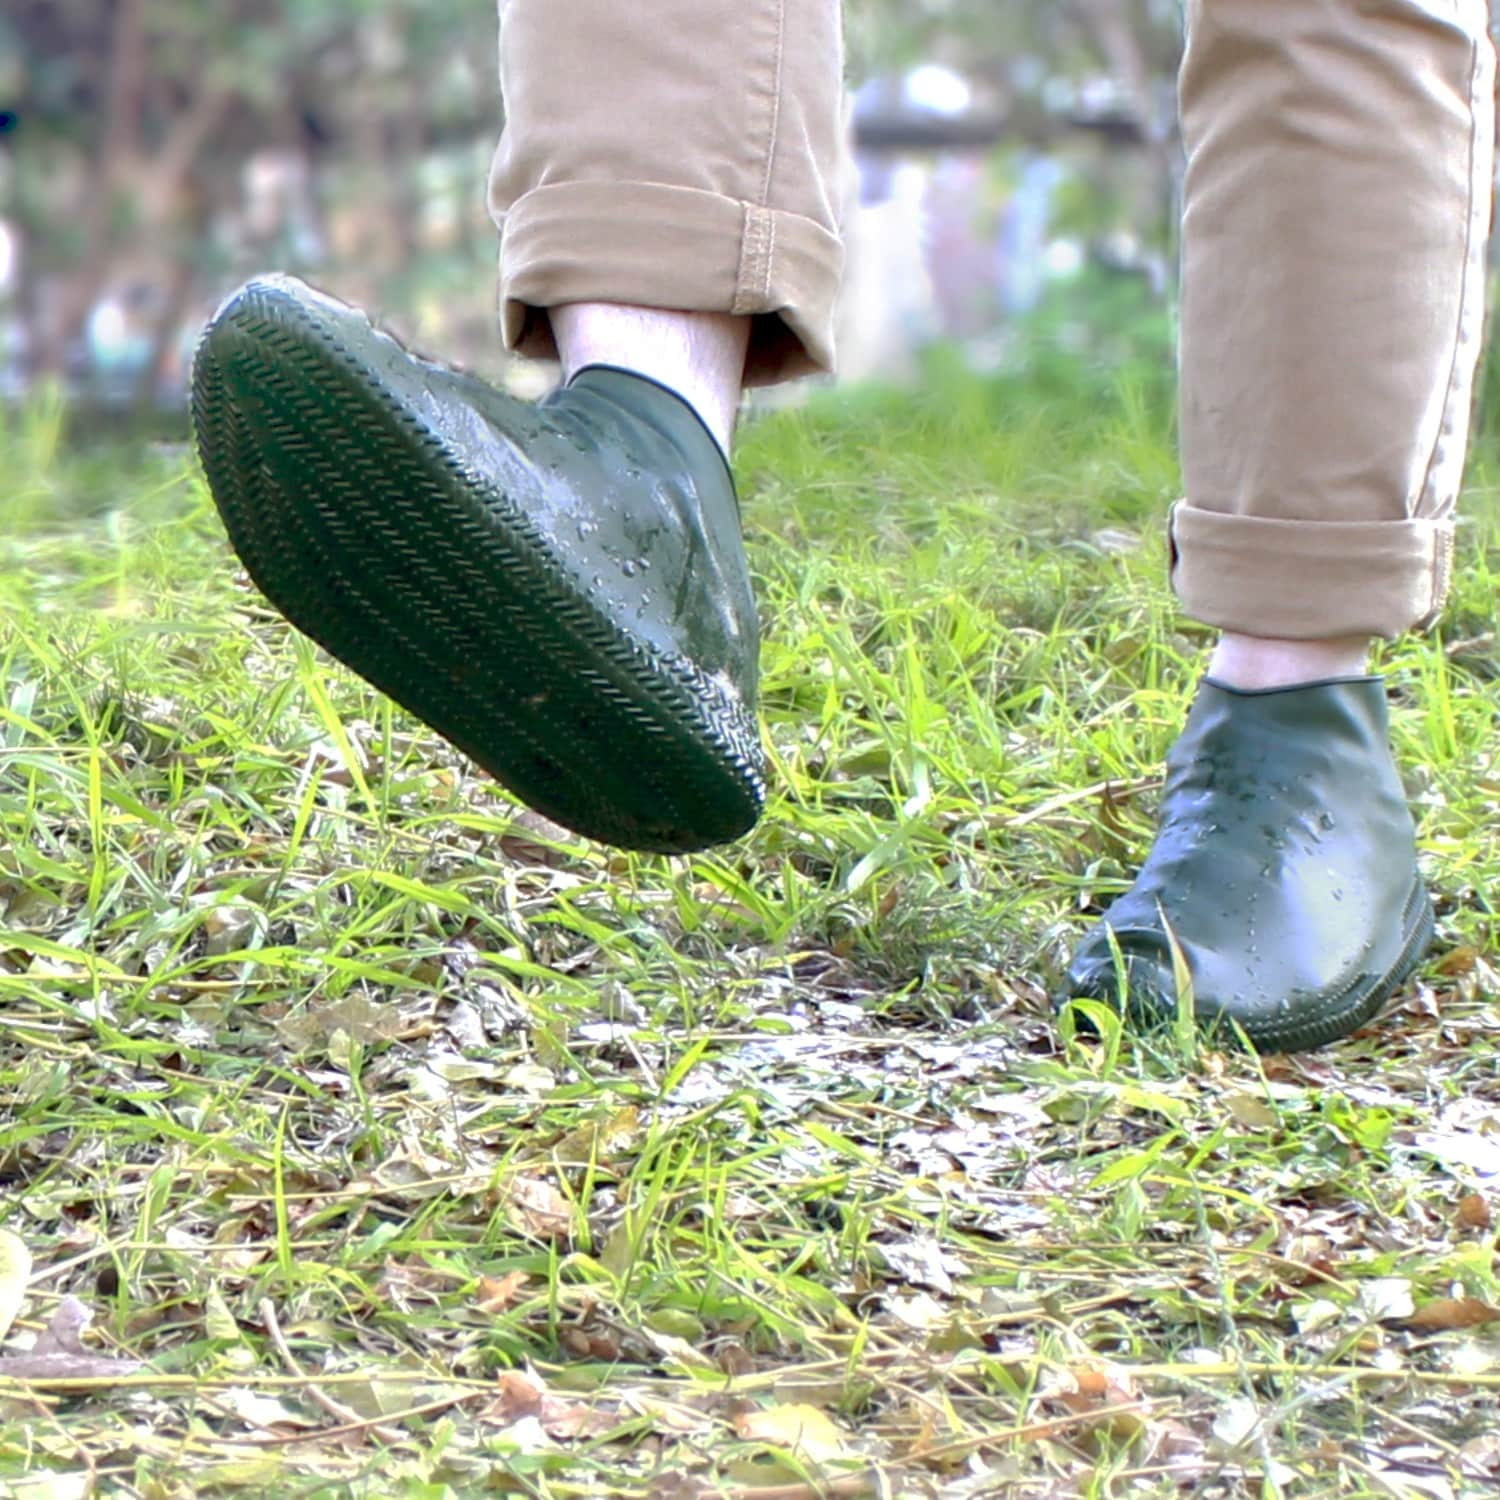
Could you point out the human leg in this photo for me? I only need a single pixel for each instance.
(1336, 210)
(620, 249)
(1253, 662)
(679, 154)
(561, 589)
(700, 355)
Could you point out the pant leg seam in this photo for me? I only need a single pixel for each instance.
(1425, 497)
(758, 235)
(1429, 501)
(778, 59)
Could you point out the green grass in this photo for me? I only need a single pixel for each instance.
(413, 1150)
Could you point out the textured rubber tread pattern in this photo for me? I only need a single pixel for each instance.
(374, 538)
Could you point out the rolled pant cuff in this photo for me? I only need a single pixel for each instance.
(1309, 580)
(652, 245)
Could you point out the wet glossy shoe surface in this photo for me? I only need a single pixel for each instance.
(1284, 866)
(558, 588)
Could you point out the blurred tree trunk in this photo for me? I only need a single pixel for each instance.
(178, 282)
(118, 141)
(1119, 31)
(132, 198)
(1116, 35)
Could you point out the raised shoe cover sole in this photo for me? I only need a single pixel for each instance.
(370, 500)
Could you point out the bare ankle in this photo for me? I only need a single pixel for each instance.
(1251, 662)
(699, 355)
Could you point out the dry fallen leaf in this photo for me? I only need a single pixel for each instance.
(800, 1429)
(220, 1325)
(531, 1079)
(404, 1283)
(574, 1419)
(1177, 1447)
(1483, 1453)
(52, 1487)
(1107, 1393)
(918, 1311)
(591, 1344)
(264, 1411)
(530, 840)
(537, 1208)
(1308, 1257)
(922, 1261)
(523, 1396)
(15, 1272)
(1254, 1111)
(1457, 961)
(1453, 1312)
(496, 1293)
(1465, 1148)
(1236, 1423)
(669, 1416)
(595, 1140)
(520, 1395)
(1474, 1212)
(1470, 1357)
(1317, 1313)
(1386, 1299)
(59, 1356)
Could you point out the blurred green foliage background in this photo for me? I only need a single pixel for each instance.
(153, 153)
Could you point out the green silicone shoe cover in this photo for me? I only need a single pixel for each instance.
(1284, 866)
(559, 588)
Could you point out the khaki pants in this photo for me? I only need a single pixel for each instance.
(690, 154)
